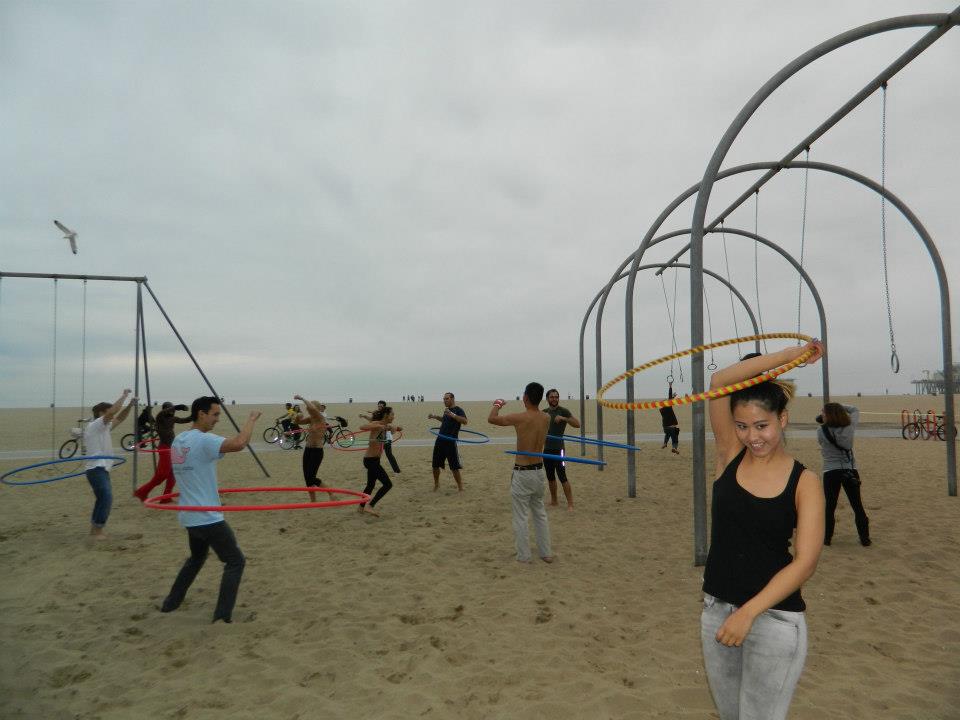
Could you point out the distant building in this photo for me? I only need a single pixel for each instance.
(934, 384)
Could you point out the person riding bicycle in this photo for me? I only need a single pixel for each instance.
(145, 422)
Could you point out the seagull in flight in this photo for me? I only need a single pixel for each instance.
(68, 234)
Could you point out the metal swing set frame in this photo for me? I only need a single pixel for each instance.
(140, 352)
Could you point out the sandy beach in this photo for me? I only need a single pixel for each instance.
(424, 612)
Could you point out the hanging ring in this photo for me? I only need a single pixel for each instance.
(712, 365)
(894, 361)
(670, 379)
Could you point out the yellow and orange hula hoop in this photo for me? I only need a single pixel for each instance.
(708, 394)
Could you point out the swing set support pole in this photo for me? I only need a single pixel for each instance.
(213, 392)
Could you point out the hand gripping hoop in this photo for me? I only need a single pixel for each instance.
(707, 394)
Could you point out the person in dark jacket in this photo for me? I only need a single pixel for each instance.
(835, 435)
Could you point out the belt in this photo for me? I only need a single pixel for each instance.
(535, 466)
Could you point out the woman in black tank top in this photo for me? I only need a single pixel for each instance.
(753, 629)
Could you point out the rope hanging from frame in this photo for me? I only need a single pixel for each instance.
(894, 358)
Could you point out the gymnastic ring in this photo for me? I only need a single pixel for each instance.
(159, 502)
(561, 458)
(670, 379)
(486, 438)
(3, 478)
(708, 394)
(894, 362)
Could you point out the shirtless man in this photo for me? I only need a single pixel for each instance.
(316, 432)
(529, 478)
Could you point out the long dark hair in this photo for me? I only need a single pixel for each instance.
(381, 413)
(835, 415)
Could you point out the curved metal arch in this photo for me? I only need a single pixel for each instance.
(699, 437)
(583, 327)
(825, 371)
(943, 23)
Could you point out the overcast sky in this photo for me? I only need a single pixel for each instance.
(373, 199)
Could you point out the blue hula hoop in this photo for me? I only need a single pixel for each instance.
(3, 478)
(591, 441)
(563, 458)
(486, 438)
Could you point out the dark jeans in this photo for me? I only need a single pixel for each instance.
(388, 451)
(671, 434)
(99, 480)
(849, 480)
(376, 472)
(220, 537)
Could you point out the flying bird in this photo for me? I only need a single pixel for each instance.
(68, 234)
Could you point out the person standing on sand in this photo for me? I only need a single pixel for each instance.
(97, 441)
(752, 629)
(194, 455)
(445, 448)
(388, 443)
(316, 436)
(560, 417)
(165, 421)
(380, 424)
(527, 483)
(835, 435)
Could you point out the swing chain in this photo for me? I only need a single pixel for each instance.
(894, 358)
(726, 260)
(803, 238)
(756, 261)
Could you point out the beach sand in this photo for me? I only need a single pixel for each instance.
(424, 612)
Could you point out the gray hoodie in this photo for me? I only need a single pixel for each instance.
(833, 457)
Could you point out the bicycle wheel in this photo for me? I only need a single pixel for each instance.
(128, 441)
(911, 431)
(344, 439)
(271, 434)
(942, 431)
(68, 449)
(287, 441)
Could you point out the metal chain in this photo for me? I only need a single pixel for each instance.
(53, 400)
(706, 302)
(673, 333)
(756, 262)
(733, 309)
(803, 237)
(894, 359)
(83, 352)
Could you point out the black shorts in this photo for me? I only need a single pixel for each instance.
(554, 468)
(446, 451)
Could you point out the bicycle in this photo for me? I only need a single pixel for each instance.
(69, 448)
(931, 426)
(129, 441)
(338, 434)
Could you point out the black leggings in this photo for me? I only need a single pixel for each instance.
(376, 472)
(849, 480)
(388, 451)
(220, 537)
(312, 457)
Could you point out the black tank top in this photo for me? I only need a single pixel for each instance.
(750, 539)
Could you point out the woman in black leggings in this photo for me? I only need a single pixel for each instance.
(381, 422)
(835, 435)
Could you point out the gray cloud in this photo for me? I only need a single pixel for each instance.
(374, 199)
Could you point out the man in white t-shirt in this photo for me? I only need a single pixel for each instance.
(194, 455)
(96, 439)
